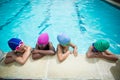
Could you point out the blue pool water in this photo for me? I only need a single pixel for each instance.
(84, 21)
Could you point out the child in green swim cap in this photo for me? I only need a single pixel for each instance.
(99, 50)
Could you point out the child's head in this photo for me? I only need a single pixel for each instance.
(43, 39)
(63, 39)
(16, 44)
(101, 45)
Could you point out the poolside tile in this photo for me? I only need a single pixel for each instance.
(109, 70)
(73, 67)
(30, 70)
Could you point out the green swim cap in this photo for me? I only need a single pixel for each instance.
(101, 45)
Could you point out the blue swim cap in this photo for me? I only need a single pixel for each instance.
(14, 42)
(63, 39)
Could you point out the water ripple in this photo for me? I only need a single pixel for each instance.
(4, 2)
(13, 18)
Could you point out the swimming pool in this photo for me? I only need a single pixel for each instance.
(84, 21)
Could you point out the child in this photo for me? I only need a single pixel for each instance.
(43, 47)
(20, 52)
(63, 47)
(99, 50)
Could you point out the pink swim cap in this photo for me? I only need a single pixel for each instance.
(43, 39)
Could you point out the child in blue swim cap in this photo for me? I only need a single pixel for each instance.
(63, 47)
(99, 50)
(20, 52)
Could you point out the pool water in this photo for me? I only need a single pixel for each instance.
(84, 21)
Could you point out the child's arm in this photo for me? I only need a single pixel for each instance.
(60, 55)
(108, 55)
(90, 53)
(9, 58)
(36, 47)
(51, 47)
(22, 59)
(74, 49)
(51, 50)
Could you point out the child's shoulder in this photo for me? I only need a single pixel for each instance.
(50, 43)
(58, 45)
(10, 53)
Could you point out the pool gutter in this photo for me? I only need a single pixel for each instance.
(114, 3)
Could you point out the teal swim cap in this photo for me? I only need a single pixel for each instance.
(101, 45)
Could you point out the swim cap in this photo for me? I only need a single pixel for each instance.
(43, 39)
(101, 45)
(14, 42)
(63, 39)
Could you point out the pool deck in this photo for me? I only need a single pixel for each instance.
(73, 68)
(114, 3)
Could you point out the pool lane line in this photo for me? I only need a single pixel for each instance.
(80, 22)
(46, 26)
(2, 3)
(45, 21)
(13, 18)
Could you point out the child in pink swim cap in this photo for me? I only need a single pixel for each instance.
(43, 39)
(43, 47)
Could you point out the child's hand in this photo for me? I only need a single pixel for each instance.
(69, 52)
(98, 55)
(75, 53)
(28, 49)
